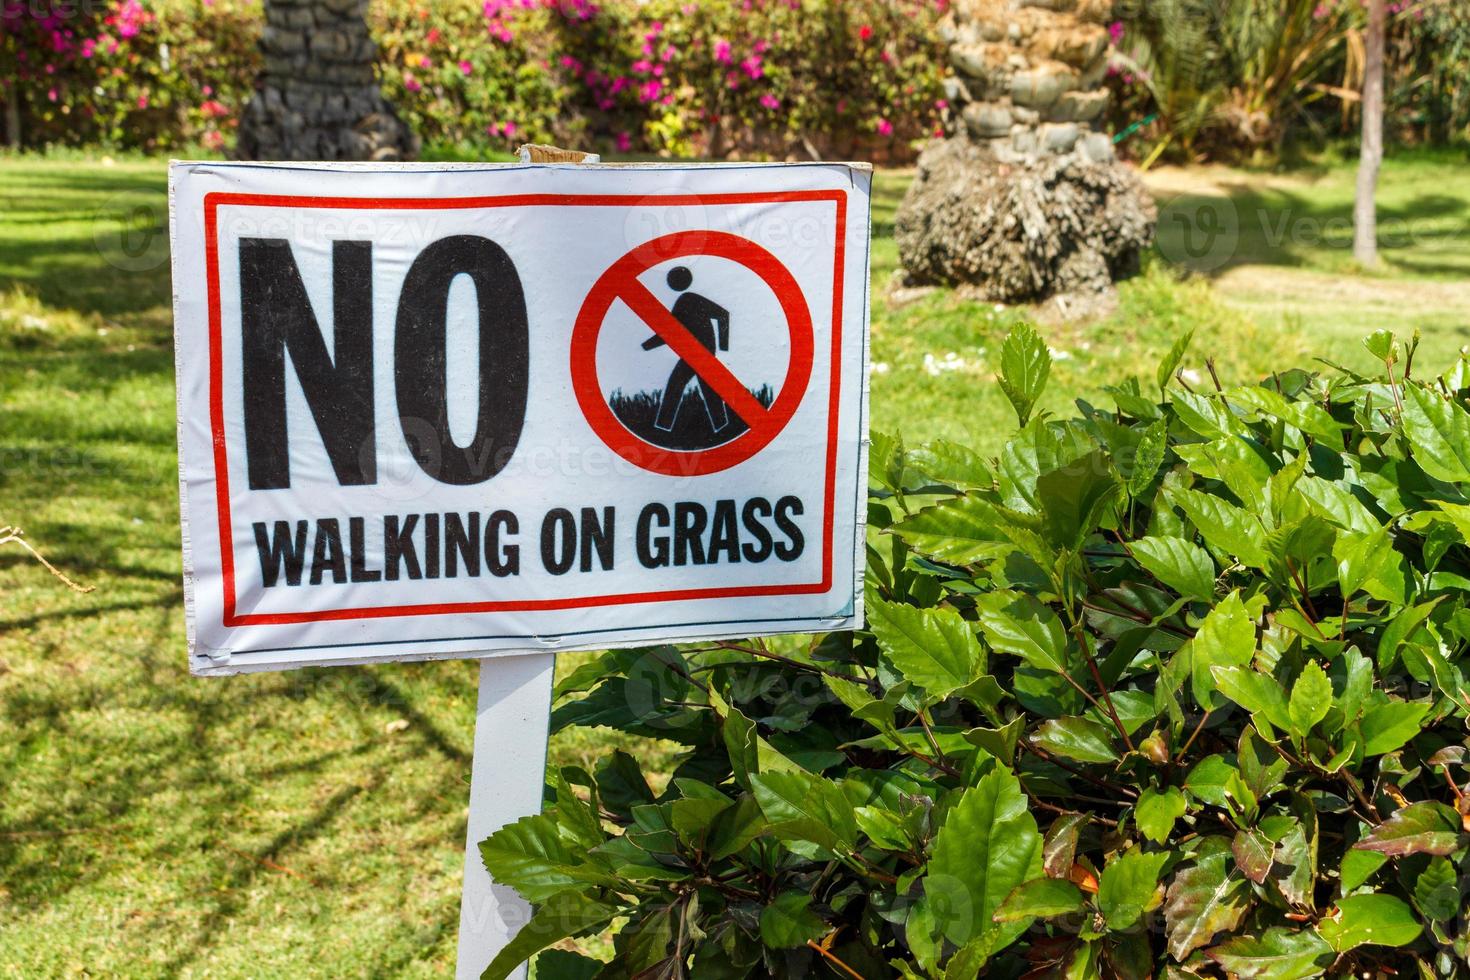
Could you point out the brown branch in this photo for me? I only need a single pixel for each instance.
(832, 958)
(1046, 756)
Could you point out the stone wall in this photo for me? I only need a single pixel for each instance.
(1025, 201)
(319, 97)
(1027, 74)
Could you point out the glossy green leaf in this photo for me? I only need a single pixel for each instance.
(1438, 429)
(1169, 363)
(534, 857)
(1389, 725)
(1016, 623)
(1419, 828)
(1042, 898)
(1078, 738)
(934, 648)
(1157, 810)
(1378, 920)
(1225, 527)
(1358, 866)
(964, 530)
(1025, 364)
(1258, 693)
(1204, 899)
(1129, 887)
(789, 921)
(1437, 890)
(802, 806)
(1226, 638)
(561, 916)
(987, 846)
(1277, 954)
(1311, 698)
(1182, 565)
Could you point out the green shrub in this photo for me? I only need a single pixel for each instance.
(1230, 80)
(158, 76)
(1172, 687)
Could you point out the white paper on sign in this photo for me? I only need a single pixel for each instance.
(439, 410)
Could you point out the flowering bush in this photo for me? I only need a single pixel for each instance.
(129, 73)
(469, 76)
(754, 77)
(758, 77)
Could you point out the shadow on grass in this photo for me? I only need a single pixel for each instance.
(91, 240)
(1211, 234)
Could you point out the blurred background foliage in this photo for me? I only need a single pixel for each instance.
(1193, 80)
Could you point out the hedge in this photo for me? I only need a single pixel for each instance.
(847, 78)
(1172, 687)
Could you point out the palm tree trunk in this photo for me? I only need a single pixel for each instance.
(1365, 215)
(318, 96)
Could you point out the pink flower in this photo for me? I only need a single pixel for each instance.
(722, 51)
(865, 32)
(425, 63)
(624, 142)
(432, 36)
(770, 101)
(143, 101)
(214, 139)
(1115, 31)
(941, 103)
(885, 128)
(752, 66)
(207, 90)
(411, 83)
(52, 94)
(129, 18)
(466, 68)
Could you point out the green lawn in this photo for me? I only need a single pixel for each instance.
(286, 825)
(1283, 253)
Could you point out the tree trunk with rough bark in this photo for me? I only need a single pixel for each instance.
(12, 117)
(1365, 213)
(318, 97)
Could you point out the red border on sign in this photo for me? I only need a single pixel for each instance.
(214, 200)
(619, 280)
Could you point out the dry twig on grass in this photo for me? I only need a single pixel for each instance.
(9, 533)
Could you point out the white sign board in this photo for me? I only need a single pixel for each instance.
(438, 410)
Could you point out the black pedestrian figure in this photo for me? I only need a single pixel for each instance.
(709, 323)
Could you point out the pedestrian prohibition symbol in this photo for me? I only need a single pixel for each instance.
(695, 330)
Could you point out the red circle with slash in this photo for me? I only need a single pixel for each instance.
(621, 282)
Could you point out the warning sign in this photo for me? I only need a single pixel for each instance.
(431, 411)
(697, 416)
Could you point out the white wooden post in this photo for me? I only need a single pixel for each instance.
(506, 779)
